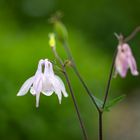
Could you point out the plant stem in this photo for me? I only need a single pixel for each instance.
(109, 79)
(132, 35)
(72, 95)
(100, 126)
(76, 106)
(86, 88)
(100, 113)
(67, 49)
(100, 110)
(65, 44)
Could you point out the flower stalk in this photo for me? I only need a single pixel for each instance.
(132, 35)
(121, 41)
(100, 115)
(122, 60)
(101, 109)
(44, 81)
(72, 93)
(70, 57)
(109, 79)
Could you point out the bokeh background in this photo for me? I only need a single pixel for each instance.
(91, 24)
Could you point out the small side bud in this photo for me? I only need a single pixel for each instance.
(52, 42)
(68, 63)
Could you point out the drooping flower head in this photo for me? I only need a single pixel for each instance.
(44, 81)
(54, 82)
(125, 60)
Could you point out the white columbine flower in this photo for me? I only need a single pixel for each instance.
(53, 83)
(45, 82)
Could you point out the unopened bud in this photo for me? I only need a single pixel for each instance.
(68, 63)
(60, 30)
(52, 42)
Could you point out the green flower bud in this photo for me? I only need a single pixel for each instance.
(60, 30)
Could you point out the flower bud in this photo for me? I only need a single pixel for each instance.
(68, 63)
(52, 42)
(60, 30)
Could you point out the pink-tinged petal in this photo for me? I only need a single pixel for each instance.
(130, 59)
(125, 60)
(126, 49)
(132, 65)
(122, 69)
(121, 64)
(26, 86)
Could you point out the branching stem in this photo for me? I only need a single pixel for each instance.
(70, 57)
(72, 94)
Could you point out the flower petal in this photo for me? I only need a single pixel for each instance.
(47, 84)
(61, 86)
(32, 91)
(52, 83)
(37, 84)
(48, 71)
(26, 86)
(132, 65)
(37, 99)
(59, 95)
(121, 64)
(47, 93)
(38, 88)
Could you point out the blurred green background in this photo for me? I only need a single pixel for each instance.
(24, 32)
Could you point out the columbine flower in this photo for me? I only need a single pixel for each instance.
(45, 82)
(53, 82)
(125, 60)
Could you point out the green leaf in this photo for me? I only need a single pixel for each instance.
(98, 102)
(114, 102)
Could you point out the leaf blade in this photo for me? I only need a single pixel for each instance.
(114, 102)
